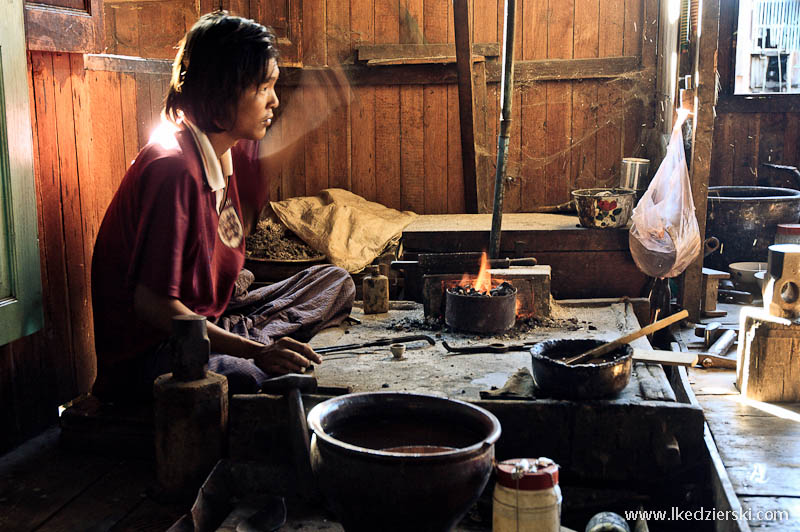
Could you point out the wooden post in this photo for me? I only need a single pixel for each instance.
(702, 139)
(466, 109)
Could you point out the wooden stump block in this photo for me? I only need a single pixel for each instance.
(768, 361)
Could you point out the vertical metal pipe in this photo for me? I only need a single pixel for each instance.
(507, 87)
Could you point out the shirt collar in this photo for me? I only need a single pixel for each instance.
(216, 169)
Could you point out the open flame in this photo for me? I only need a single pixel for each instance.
(481, 283)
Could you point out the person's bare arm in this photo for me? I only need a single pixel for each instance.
(284, 356)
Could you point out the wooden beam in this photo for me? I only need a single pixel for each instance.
(466, 102)
(385, 52)
(414, 73)
(128, 64)
(773, 103)
(702, 141)
(569, 69)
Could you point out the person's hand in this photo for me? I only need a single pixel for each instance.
(286, 356)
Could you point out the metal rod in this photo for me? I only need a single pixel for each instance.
(507, 86)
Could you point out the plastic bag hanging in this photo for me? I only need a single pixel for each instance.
(664, 237)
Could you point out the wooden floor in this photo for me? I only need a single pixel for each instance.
(759, 443)
(46, 488)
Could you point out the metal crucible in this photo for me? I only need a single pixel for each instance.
(481, 314)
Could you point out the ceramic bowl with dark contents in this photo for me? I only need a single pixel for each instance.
(594, 379)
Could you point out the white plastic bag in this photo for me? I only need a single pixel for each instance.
(665, 238)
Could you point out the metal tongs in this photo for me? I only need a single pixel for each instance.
(374, 343)
(486, 348)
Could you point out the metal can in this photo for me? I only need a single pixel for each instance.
(527, 497)
(788, 234)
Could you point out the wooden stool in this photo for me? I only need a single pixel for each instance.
(768, 358)
(708, 305)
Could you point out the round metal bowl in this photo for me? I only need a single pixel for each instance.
(556, 379)
(604, 207)
(397, 461)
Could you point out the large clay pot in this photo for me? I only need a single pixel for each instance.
(395, 461)
(745, 220)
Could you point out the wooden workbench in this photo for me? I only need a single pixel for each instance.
(585, 262)
(639, 438)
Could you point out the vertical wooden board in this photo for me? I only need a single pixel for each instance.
(387, 146)
(632, 33)
(316, 151)
(143, 114)
(455, 166)
(237, 7)
(314, 34)
(455, 179)
(108, 156)
(412, 169)
(130, 132)
(609, 97)
(51, 231)
(586, 43)
(411, 22)
(791, 140)
(434, 186)
(90, 217)
(560, 31)
(746, 154)
(512, 184)
(770, 139)
(387, 113)
(338, 49)
(125, 39)
(435, 116)
(293, 173)
(513, 178)
(37, 386)
(82, 348)
(533, 107)
(632, 131)
(486, 19)
(362, 108)
(722, 157)
(650, 36)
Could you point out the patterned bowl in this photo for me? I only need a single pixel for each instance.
(604, 207)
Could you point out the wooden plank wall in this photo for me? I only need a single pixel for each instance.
(743, 141)
(566, 134)
(396, 144)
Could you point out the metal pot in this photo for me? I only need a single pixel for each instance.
(398, 461)
(478, 314)
(580, 381)
(745, 220)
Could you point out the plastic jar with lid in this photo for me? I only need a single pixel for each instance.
(527, 497)
(788, 234)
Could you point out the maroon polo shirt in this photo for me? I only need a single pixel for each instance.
(162, 230)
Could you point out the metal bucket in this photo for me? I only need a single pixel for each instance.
(745, 220)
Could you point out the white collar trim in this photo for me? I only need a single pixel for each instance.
(216, 169)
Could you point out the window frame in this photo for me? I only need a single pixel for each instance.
(52, 28)
(21, 311)
(727, 101)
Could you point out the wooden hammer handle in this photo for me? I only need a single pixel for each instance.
(628, 338)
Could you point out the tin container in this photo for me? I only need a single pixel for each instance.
(634, 174)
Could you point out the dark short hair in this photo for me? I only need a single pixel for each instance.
(220, 57)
